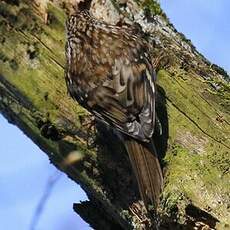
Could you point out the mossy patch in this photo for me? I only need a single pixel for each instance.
(153, 6)
(20, 17)
(197, 159)
(199, 114)
(32, 63)
(3, 57)
(191, 178)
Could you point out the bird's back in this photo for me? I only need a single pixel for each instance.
(109, 72)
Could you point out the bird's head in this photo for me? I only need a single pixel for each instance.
(76, 6)
(78, 22)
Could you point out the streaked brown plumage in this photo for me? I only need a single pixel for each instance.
(109, 72)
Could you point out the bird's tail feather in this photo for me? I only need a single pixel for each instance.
(147, 170)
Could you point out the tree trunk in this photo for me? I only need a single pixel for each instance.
(192, 105)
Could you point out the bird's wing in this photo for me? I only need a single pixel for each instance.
(126, 99)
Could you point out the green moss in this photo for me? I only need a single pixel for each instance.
(175, 197)
(5, 11)
(221, 161)
(153, 6)
(192, 178)
(33, 50)
(221, 90)
(35, 64)
(3, 57)
(56, 17)
(53, 36)
(197, 161)
(13, 64)
(196, 112)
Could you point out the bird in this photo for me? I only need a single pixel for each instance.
(109, 72)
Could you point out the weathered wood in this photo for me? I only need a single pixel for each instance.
(193, 107)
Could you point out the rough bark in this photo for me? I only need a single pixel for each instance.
(193, 106)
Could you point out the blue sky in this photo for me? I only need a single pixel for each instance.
(206, 23)
(24, 173)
